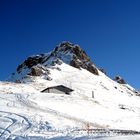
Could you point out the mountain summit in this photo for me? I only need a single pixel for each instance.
(65, 52)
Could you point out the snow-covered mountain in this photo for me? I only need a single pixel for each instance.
(97, 106)
(66, 52)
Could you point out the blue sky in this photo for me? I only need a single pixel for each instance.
(108, 30)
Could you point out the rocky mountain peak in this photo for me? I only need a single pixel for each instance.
(74, 49)
(75, 56)
(65, 46)
(71, 48)
(65, 52)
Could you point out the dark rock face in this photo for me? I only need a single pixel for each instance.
(92, 69)
(80, 58)
(30, 62)
(75, 64)
(35, 71)
(80, 54)
(119, 80)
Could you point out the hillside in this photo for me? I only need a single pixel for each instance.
(98, 105)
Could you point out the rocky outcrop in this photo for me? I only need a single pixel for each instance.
(79, 57)
(119, 80)
(31, 61)
(35, 71)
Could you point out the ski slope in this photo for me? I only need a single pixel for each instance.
(27, 113)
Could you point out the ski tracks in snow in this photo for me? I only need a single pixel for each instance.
(33, 105)
(14, 123)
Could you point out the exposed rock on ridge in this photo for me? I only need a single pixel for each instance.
(119, 80)
(65, 52)
(79, 58)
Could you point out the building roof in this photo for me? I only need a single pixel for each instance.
(59, 87)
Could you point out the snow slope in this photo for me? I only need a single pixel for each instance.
(27, 113)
